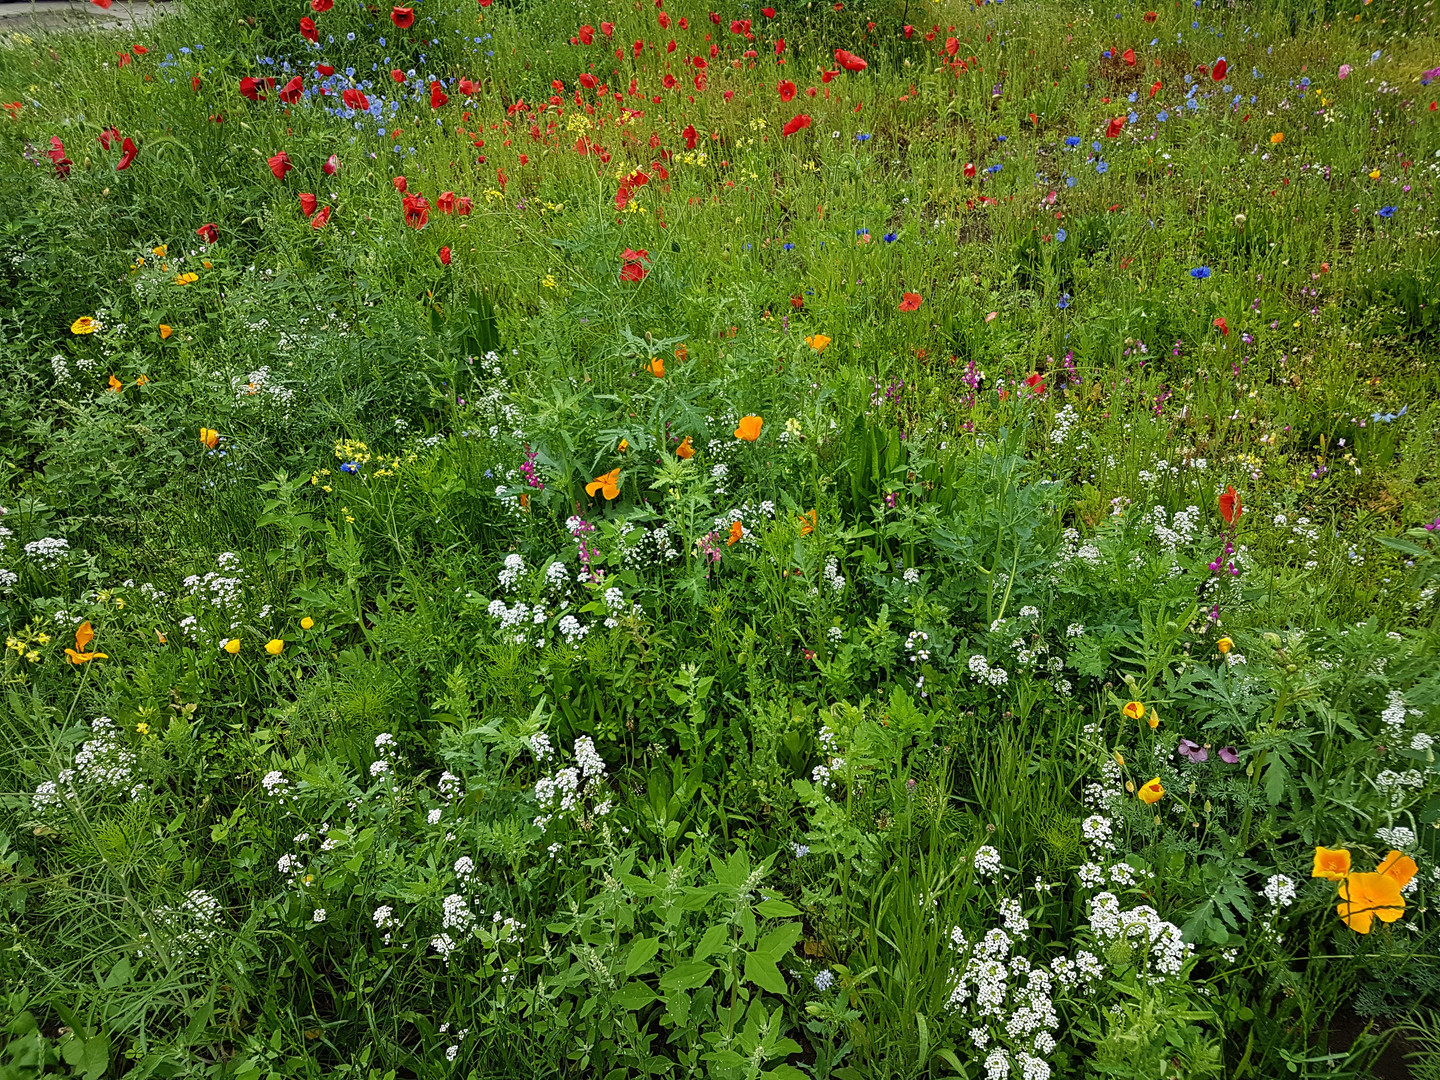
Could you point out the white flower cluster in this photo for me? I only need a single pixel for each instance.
(1141, 928)
(565, 792)
(1008, 998)
(386, 922)
(1394, 783)
(572, 630)
(617, 607)
(912, 576)
(521, 615)
(916, 646)
(258, 386)
(513, 572)
(833, 577)
(102, 762)
(188, 927)
(1397, 836)
(1182, 529)
(824, 775)
(451, 786)
(47, 552)
(644, 548)
(984, 673)
(1061, 426)
(1279, 890)
(987, 861)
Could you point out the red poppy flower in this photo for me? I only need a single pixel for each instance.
(399, 183)
(608, 29)
(969, 170)
(331, 166)
(849, 61)
(325, 70)
(469, 87)
(768, 12)
(690, 135)
(786, 89)
(911, 301)
(397, 75)
(445, 203)
(1155, 88)
(1114, 128)
(104, 5)
(587, 35)
(319, 220)
(1150, 16)
(57, 157)
(290, 92)
(208, 232)
(825, 77)
(779, 46)
(128, 150)
(250, 88)
(108, 136)
(403, 17)
(320, 6)
(463, 205)
(195, 83)
(1036, 382)
(1218, 71)
(417, 210)
(308, 31)
(633, 266)
(280, 164)
(1128, 56)
(445, 255)
(486, 3)
(798, 123)
(438, 97)
(307, 204)
(1219, 324)
(1230, 506)
(797, 302)
(354, 99)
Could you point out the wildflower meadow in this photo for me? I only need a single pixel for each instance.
(616, 539)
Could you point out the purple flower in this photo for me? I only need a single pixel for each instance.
(1192, 750)
(1228, 755)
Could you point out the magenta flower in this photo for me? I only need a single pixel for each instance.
(1192, 750)
(1228, 755)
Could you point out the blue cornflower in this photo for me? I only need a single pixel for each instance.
(1385, 418)
(1060, 235)
(1134, 117)
(994, 168)
(891, 237)
(787, 247)
(1071, 181)
(1095, 146)
(1162, 116)
(1001, 138)
(1072, 140)
(1386, 211)
(862, 232)
(1200, 273)
(1102, 167)
(862, 137)
(1133, 95)
(1064, 301)
(350, 467)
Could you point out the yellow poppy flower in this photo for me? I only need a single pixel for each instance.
(1331, 863)
(608, 485)
(1398, 866)
(1367, 897)
(817, 342)
(186, 278)
(116, 385)
(84, 325)
(275, 646)
(1224, 645)
(1374, 174)
(84, 634)
(1277, 138)
(1134, 710)
(307, 623)
(1152, 792)
(209, 437)
(232, 646)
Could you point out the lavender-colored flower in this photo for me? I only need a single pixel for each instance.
(1192, 750)
(1228, 755)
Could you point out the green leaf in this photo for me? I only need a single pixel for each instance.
(711, 941)
(780, 941)
(785, 1072)
(776, 909)
(691, 975)
(634, 996)
(677, 1004)
(761, 970)
(642, 951)
(1275, 779)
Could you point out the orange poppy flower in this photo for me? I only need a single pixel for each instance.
(608, 485)
(1134, 710)
(1400, 867)
(656, 367)
(817, 342)
(736, 532)
(1367, 897)
(116, 385)
(1152, 792)
(209, 437)
(84, 634)
(807, 523)
(685, 450)
(165, 331)
(1331, 863)
(749, 428)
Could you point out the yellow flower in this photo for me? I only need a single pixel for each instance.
(84, 325)
(165, 331)
(232, 646)
(1277, 138)
(1367, 897)
(1134, 710)
(83, 636)
(209, 437)
(1374, 174)
(143, 728)
(1331, 863)
(817, 342)
(1224, 645)
(274, 646)
(306, 623)
(1152, 792)
(161, 250)
(608, 485)
(1398, 866)
(187, 278)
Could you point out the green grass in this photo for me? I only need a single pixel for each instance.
(535, 782)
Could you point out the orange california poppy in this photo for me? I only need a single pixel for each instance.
(1134, 710)
(1400, 867)
(685, 450)
(624, 445)
(116, 385)
(1367, 897)
(165, 331)
(1152, 792)
(749, 428)
(807, 523)
(84, 634)
(209, 437)
(817, 342)
(656, 367)
(1331, 863)
(736, 532)
(608, 485)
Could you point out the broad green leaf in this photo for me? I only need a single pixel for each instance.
(690, 975)
(761, 970)
(642, 951)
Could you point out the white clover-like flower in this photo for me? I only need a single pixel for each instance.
(987, 861)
